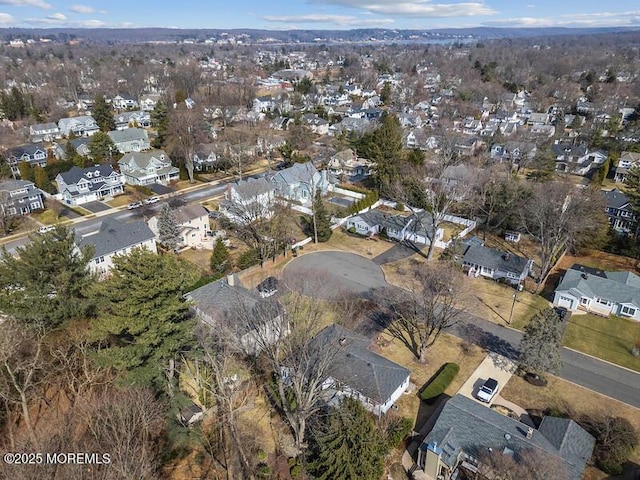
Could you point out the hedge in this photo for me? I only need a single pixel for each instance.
(442, 380)
(369, 199)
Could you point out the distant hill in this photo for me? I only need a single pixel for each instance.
(144, 35)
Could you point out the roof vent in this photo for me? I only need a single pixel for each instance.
(342, 341)
(506, 256)
(585, 275)
(507, 436)
(530, 433)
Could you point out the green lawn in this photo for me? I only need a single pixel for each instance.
(610, 338)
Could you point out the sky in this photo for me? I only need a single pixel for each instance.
(320, 14)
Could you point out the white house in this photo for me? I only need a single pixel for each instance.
(347, 164)
(130, 140)
(299, 182)
(487, 262)
(193, 222)
(149, 101)
(625, 163)
(412, 228)
(599, 292)
(147, 168)
(81, 126)
(247, 201)
(20, 197)
(33, 153)
(81, 185)
(356, 372)
(115, 238)
(47, 132)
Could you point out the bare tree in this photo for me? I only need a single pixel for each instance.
(429, 306)
(560, 216)
(526, 463)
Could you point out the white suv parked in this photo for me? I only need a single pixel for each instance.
(488, 390)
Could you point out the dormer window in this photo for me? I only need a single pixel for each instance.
(96, 173)
(89, 174)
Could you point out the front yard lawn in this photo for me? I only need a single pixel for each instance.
(610, 338)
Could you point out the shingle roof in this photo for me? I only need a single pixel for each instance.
(297, 173)
(376, 217)
(128, 135)
(190, 212)
(615, 198)
(618, 287)
(465, 425)
(495, 259)
(358, 367)
(250, 189)
(115, 235)
(75, 174)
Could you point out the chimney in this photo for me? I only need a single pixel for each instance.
(342, 341)
(530, 433)
(506, 257)
(231, 280)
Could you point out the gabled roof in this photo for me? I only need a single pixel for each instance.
(376, 217)
(358, 367)
(190, 212)
(141, 160)
(115, 236)
(27, 149)
(250, 189)
(495, 259)
(73, 176)
(13, 185)
(615, 198)
(618, 287)
(44, 126)
(297, 173)
(128, 135)
(465, 425)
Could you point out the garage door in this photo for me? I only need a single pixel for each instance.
(565, 302)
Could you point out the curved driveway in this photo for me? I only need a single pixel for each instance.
(330, 274)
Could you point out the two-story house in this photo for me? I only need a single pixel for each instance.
(149, 101)
(249, 200)
(115, 238)
(147, 168)
(124, 101)
(619, 211)
(130, 140)
(625, 163)
(44, 132)
(81, 126)
(33, 153)
(205, 157)
(574, 157)
(193, 223)
(135, 119)
(300, 182)
(20, 197)
(346, 165)
(82, 185)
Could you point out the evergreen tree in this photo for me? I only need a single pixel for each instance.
(632, 191)
(385, 147)
(47, 281)
(144, 319)
(540, 344)
(71, 155)
(160, 120)
(322, 227)
(168, 229)
(103, 114)
(220, 258)
(41, 179)
(101, 147)
(26, 171)
(347, 446)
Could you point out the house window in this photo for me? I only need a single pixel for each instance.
(630, 311)
(35, 205)
(99, 260)
(602, 301)
(584, 301)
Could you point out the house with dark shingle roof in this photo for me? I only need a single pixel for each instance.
(619, 211)
(415, 228)
(466, 429)
(130, 140)
(115, 238)
(146, 168)
(491, 263)
(193, 223)
(299, 182)
(226, 304)
(599, 292)
(81, 185)
(357, 372)
(33, 153)
(20, 197)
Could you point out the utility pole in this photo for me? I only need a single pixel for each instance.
(519, 288)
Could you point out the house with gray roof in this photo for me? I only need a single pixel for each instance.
(115, 238)
(134, 119)
(20, 197)
(249, 200)
(466, 430)
(479, 260)
(619, 211)
(299, 182)
(81, 126)
(146, 168)
(46, 132)
(226, 304)
(599, 292)
(193, 224)
(626, 162)
(205, 157)
(357, 372)
(81, 185)
(33, 153)
(415, 228)
(130, 140)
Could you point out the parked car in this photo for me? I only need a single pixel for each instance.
(268, 287)
(45, 229)
(488, 390)
(151, 200)
(561, 312)
(133, 205)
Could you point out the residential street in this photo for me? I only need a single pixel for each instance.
(599, 376)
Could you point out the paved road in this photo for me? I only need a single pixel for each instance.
(358, 274)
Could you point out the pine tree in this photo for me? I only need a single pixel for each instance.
(26, 171)
(160, 120)
(632, 191)
(168, 229)
(219, 258)
(103, 114)
(47, 281)
(322, 221)
(41, 179)
(347, 446)
(143, 318)
(540, 344)
(101, 147)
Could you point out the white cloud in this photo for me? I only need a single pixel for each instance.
(26, 3)
(82, 9)
(6, 19)
(600, 19)
(57, 16)
(416, 8)
(339, 20)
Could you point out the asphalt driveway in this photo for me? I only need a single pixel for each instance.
(331, 274)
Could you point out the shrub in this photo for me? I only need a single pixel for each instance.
(400, 206)
(296, 471)
(145, 190)
(442, 380)
(616, 439)
(351, 230)
(248, 259)
(399, 429)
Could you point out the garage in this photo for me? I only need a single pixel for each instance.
(565, 302)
